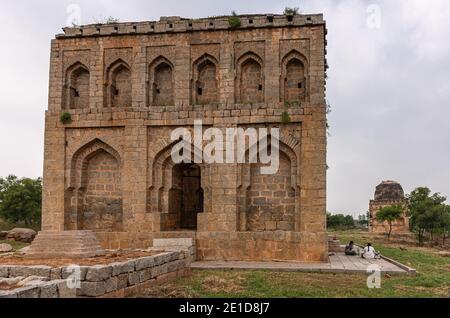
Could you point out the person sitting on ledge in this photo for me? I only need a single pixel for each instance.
(369, 252)
(350, 249)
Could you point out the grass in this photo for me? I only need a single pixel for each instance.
(16, 245)
(433, 279)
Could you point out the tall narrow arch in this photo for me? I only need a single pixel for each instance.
(161, 84)
(77, 87)
(249, 79)
(118, 87)
(205, 82)
(294, 77)
(94, 195)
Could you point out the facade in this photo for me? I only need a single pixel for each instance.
(388, 193)
(127, 86)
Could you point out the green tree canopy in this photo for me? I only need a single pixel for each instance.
(428, 214)
(390, 214)
(340, 221)
(20, 200)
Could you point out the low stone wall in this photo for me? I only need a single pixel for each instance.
(113, 280)
(261, 246)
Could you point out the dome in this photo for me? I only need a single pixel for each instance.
(389, 191)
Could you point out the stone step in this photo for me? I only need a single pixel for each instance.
(70, 244)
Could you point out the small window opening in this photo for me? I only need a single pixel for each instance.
(300, 85)
(190, 25)
(211, 24)
(171, 25)
(250, 21)
(77, 93)
(116, 92)
(200, 91)
(270, 19)
(260, 87)
(290, 18)
(158, 91)
(152, 26)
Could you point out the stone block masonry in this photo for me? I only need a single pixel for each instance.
(116, 280)
(127, 86)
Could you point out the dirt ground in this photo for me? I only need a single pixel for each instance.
(110, 257)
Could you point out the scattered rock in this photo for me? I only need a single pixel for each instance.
(24, 250)
(5, 248)
(21, 235)
(3, 235)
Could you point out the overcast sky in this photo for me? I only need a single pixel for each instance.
(388, 84)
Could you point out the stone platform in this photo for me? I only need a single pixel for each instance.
(338, 263)
(67, 244)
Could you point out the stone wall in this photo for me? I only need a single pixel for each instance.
(115, 280)
(146, 79)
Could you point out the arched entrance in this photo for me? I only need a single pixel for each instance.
(186, 197)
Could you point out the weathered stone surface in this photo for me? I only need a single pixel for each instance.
(28, 292)
(112, 284)
(92, 289)
(67, 244)
(99, 273)
(388, 193)
(145, 262)
(122, 268)
(21, 235)
(32, 280)
(4, 271)
(122, 281)
(5, 248)
(26, 271)
(133, 278)
(123, 116)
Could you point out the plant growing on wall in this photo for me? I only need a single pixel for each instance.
(285, 118)
(66, 118)
(291, 11)
(234, 20)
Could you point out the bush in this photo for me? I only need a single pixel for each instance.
(66, 118)
(340, 222)
(291, 11)
(234, 20)
(285, 118)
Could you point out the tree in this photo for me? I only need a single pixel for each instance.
(20, 200)
(340, 221)
(428, 214)
(390, 214)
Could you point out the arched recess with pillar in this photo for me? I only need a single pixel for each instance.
(177, 193)
(93, 199)
(270, 202)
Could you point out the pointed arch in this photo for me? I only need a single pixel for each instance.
(279, 208)
(250, 79)
(205, 80)
(294, 80)
(77, 86)
(161, 82)
(118, 85)
(94, 196)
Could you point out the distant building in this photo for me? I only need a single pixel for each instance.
(386, 194)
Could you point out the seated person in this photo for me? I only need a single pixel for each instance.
(369, 252)
(350, 249)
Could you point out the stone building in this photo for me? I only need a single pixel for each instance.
(388, 193)
(128, 85)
